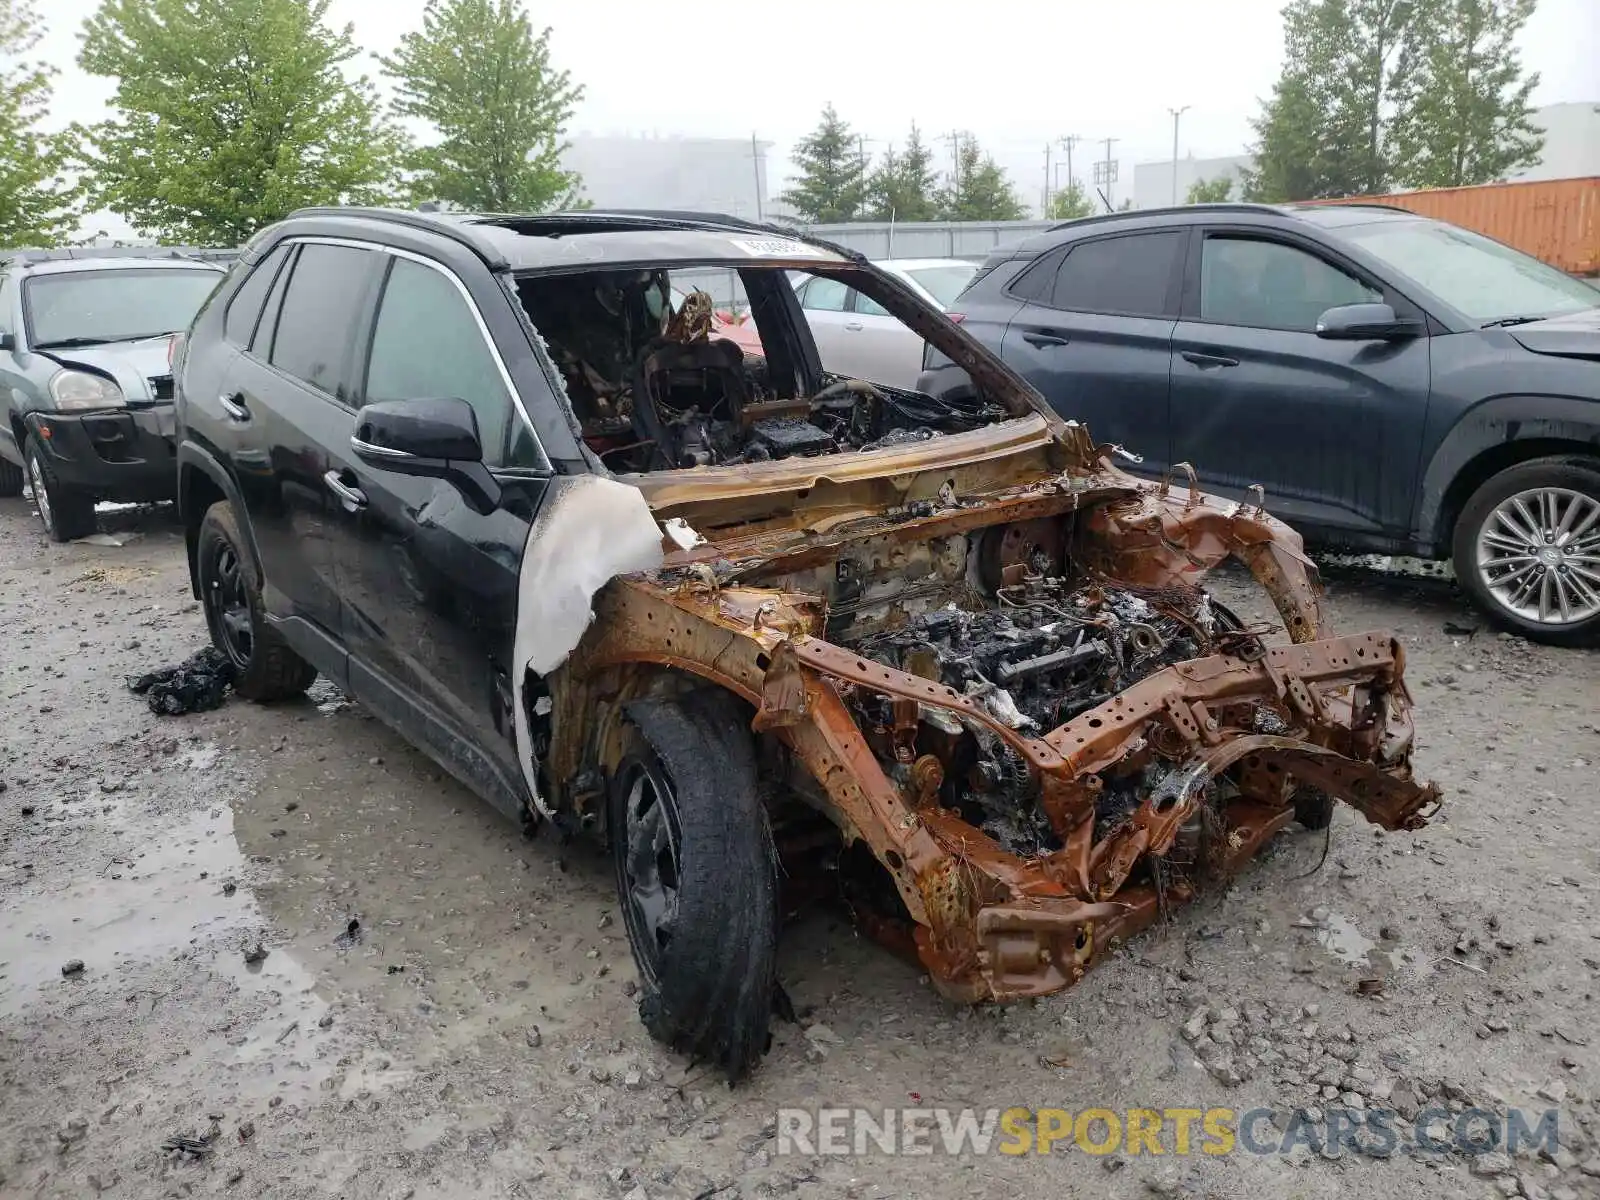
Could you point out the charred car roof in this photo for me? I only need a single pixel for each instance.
(586, 240)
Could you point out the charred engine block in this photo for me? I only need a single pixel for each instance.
(1045, 653)
(1042, 656)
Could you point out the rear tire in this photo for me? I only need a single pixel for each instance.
(1510, 539)
(265, 668)
(66, 512)
(11, 478)
(697, 878)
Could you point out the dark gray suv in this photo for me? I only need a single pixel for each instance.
(86, 377)
(1395, 384)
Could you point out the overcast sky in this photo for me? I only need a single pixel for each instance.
(1016, 75)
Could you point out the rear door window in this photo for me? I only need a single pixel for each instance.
(825, 295)
(316, 325)
(1135, 275)
(244, 310)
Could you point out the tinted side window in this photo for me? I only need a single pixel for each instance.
(1037, 281)
(825, 295)
(1130, 276)
(1269, 285)
(261, 341)
(317, 323)
(427, 346)
(244, 310)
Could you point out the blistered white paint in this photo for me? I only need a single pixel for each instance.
(589, 531)
(684, 536)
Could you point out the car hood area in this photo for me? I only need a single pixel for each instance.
(134, 366)
(1575, 335)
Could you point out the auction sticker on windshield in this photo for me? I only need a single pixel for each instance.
(775, 248)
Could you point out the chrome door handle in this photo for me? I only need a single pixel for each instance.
(353, 497)
(234, 406)
(853, 326)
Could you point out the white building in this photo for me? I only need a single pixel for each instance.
(721, 175)
(1571, 150)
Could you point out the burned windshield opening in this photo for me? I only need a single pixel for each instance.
(693, 366)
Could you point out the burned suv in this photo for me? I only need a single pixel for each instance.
(746, 620)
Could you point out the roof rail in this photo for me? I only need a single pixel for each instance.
(444, 224)
(1165, 210)
(458, 225)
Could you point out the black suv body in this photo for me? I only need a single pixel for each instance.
(1395, 384)
(620, 574)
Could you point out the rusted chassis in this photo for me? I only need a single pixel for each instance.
(991, 924)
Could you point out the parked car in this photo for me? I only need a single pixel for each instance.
(857, 336)
(744, 619)
(1395, 384)
(85, 381)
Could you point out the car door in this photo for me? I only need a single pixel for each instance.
(1331, 429)
(285, 399)
(883, 349)
(826, 304)
(1094, 335)
(429, 582)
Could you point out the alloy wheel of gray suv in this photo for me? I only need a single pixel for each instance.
(1527, 548)
(67, 514)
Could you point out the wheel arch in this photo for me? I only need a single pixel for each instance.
(202, 481)
(1498, 434)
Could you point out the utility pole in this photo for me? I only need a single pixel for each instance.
(1044, 205)
(755, 161)
(1176, 113)
(954, 138)
(1106, 172)
(1067, 143)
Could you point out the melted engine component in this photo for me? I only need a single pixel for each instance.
(656, 388)
(1041, 656)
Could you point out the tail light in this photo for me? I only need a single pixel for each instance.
(174, 349)
(957, 317)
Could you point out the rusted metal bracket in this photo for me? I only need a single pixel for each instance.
(841, 664)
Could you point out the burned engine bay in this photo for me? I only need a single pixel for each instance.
(1035, 641)
(655, 387)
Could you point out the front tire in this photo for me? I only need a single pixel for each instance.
(66, 512)
(1527, 550)
(697, 878)
(265, 668)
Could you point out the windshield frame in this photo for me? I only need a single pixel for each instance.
(132, 274)
(1356, 240)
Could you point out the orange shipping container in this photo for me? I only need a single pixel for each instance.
(1556, 220)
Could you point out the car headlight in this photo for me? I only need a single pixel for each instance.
(80, 389)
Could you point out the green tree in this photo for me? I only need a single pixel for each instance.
(903, 185)
(1466, 118)
(832, 186)
(37, 203)
(1210, 191)
(229, 115)
(1347, 69)
(480, 77)
(1070, 203)
(980, 190)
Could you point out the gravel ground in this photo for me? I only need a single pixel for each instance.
(445, 1009)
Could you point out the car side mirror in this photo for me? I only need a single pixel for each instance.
(434, 439)
(1365, 323)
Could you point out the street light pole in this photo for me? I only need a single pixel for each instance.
(1176, 113)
